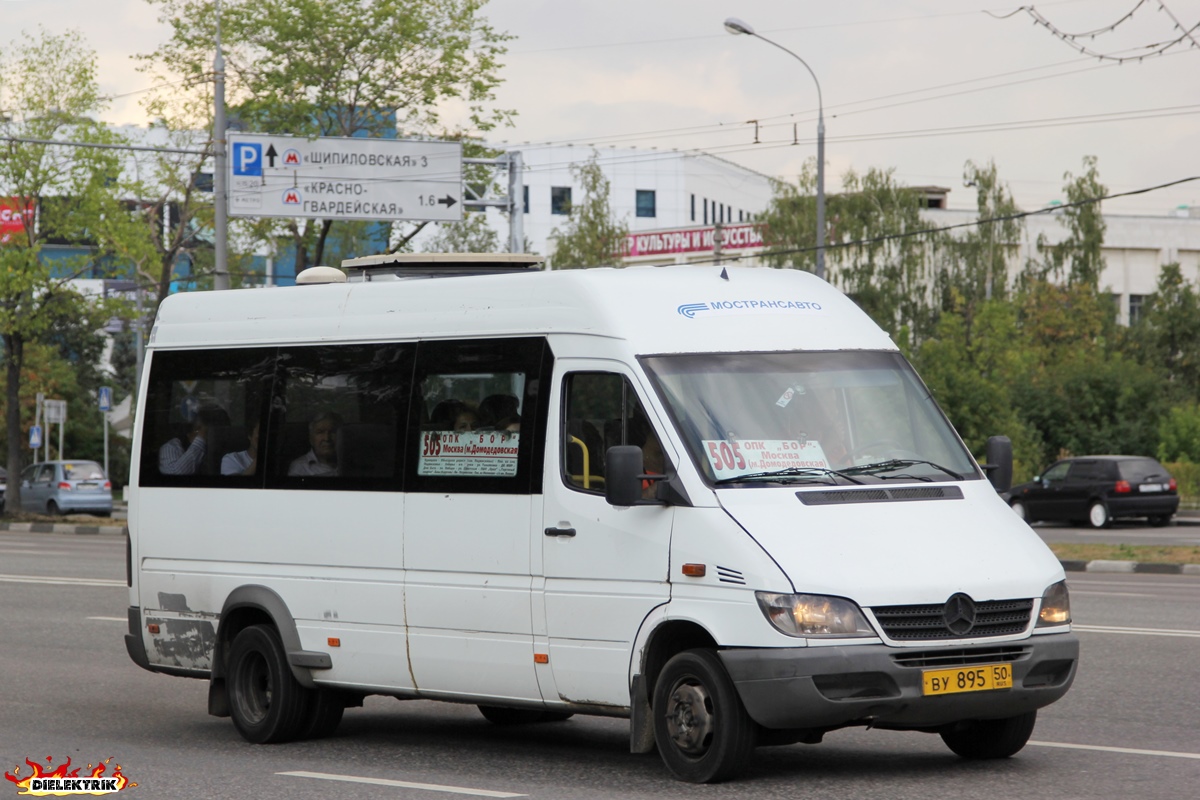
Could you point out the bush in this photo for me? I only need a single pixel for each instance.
(1187, 480)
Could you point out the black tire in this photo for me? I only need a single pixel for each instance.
(1098, 514)
(53, 510)
(325, 711)
(556, 716)
(989, 738)
(498, 715)
(1019, 509)
(265, 701)
(700, 726)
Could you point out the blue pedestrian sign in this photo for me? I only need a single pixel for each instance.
(106, 398)
(35, 437)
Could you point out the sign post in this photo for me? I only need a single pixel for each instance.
(345, 178)
(105, 403)
(56, 411)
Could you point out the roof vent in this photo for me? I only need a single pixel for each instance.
(316, 275)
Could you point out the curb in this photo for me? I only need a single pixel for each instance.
(1126, 567)
(54, 527)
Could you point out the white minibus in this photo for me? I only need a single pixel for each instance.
(715, 501)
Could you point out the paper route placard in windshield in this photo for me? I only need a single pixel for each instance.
(733, 457)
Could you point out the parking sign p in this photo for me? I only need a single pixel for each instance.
(247, 158)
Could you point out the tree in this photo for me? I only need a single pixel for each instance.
(48, 91)
(886, 276)
(1078, 258)
(1169, 332)
(593, 236)
(472, 235)
(338, 68)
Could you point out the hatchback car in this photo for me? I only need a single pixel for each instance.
(1094, 490)
(63, 487)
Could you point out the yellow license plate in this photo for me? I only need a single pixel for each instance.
(966, 679)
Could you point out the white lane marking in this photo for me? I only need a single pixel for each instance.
(1126, 750)
(1136, 631)
(1111, 594)
(111, 619)
(59, 581)
(430, 787)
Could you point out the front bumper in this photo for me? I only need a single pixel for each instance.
(831, 687)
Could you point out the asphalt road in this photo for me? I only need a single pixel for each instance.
(1130, 728)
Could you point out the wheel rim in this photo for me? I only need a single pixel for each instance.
(1098, 515)
(255, 688)
(1019, 509)
(690, 718)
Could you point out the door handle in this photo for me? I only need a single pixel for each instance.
(560, 531)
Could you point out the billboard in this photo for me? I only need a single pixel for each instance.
(692, 240)
(13, 212)
(344, 178)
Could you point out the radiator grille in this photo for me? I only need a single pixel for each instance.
(927, 622)
(834, 497)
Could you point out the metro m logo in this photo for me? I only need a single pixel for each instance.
(291, 197)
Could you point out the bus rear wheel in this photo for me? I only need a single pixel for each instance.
(266, 702)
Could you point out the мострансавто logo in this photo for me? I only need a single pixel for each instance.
(690, 310)
(62, 781)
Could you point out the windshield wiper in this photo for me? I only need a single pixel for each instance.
(899, 463)
(789, 472)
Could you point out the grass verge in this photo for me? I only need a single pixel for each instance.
(1147, 554)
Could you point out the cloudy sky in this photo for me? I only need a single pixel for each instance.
(918, 86)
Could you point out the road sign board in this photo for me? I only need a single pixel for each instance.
(35, 437)
(56, 411)
(344, 178)
(105, 398)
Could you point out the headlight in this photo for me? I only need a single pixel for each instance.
(813, 615)
(1056, 606)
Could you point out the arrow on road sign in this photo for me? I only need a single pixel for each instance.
(271, 155)
(447, 201)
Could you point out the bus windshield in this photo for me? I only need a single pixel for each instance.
(839, 417)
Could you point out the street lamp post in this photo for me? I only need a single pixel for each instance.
(220, 191)
(736, 26)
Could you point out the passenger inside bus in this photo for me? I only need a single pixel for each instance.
(321, 460)
(242, 462)
(184, 454)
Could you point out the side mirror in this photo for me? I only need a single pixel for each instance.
(622, 475)
(999, 468)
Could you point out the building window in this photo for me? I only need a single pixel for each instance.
(560, 200)
(525, 198)
(693, 208)
(705, 201)
(645, 203)
(1136, 307)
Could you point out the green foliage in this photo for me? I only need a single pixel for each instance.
(1187, 481)
(887, 277)
(1179, 434)
(48, 91)
(592, 237)
(472, 235)
(1077, 258)
(1168, 333)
